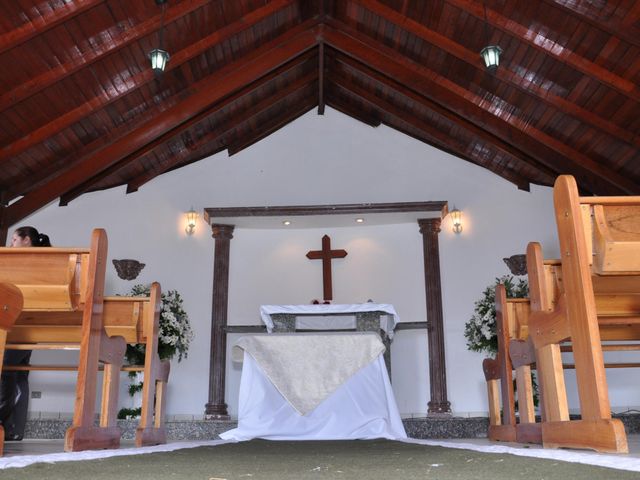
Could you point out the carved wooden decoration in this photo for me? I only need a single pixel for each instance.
(127, 268)
(517, 264)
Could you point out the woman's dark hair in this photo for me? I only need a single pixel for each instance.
(37, 239)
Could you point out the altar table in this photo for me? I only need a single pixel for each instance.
(314, 386)
(387, 322)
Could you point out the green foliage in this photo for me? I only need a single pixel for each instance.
(174, 337)
(480, 330)
(126, 413)
(175, 333)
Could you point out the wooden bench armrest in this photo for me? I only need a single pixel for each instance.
(10, 305)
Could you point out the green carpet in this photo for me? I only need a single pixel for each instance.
(371, 459)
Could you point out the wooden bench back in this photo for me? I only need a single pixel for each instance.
(50, 279)
(611, 232)
(617, 301)
(517, 311)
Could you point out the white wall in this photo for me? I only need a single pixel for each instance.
(328, 159)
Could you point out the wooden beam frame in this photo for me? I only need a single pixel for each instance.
(86, 186)
(102, 99)
(40, 25)
(620, 29)
(513, 78)
(522, 34)
(272, 126)
(339, 105)
(218, 136)
(443, 112)
(400, 115)
(544, 148)
(62, 71)
(224, 82)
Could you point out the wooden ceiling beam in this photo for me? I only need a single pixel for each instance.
(52, 170)
(41, 24)
(564, 55)
(321, 79)
(537, 144)
(103, 99)
(408, 118)
(71, 195)
(618, 28)
(214, 88)
(463, 122)
(273, 125)
(503, 73)
(60, 72)
(420, 136)
(226, 128)
(343, 107)
(216, 138)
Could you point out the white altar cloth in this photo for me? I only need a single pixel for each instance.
(387, 322)
(361, 407)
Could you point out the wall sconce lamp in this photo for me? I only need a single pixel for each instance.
(456, 220)
(158, 56)
(192, 218)
(491, 53)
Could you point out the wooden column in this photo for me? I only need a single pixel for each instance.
(4, 228)
(438, 404)
(216, 408)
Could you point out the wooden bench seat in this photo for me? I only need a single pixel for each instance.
(591, 295)
(64, 308)
(511, 420)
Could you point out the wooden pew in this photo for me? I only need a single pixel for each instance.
(63, 307)
(136, 319)
(590, 296)
(512, 316)
(10, 307)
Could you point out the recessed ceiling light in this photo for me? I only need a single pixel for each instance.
(286, 222)
(360, 220)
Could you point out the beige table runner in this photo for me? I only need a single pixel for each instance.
(308, 367)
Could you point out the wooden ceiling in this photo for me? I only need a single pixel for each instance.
(82, 110)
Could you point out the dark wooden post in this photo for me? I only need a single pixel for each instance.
(4, 228)
(429, 228)
(216, 408)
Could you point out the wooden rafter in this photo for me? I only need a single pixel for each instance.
(443, 112)
(567, 56)
(227, 80)
(40, 25)
(616, 27)
(429, 131)
(60, 72)
(321, 79)
(273, 125)
(137, 81)
(341, 106)
(544, 148)
(218, 134)
(512, 78)
(179, 129)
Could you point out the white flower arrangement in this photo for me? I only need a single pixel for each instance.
(480, 330)
(175, 334)
(174, 337)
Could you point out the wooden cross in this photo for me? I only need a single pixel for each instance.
(326, 254)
